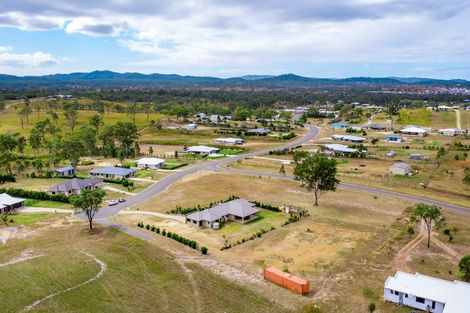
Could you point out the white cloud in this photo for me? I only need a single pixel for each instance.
(208, 36)
(26, 60)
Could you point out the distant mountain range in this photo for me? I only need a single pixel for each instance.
(109, 79)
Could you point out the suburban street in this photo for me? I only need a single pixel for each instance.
(217, 166)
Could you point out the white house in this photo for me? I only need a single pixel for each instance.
(201, 116)
(428, 293)
(348, 138)
(202, 150)
(9, 203)
(189, 127)
(338, 149)
(414, 130)
(151, 163)
(452, 131)
(401, 168)
(444, 108)
(229, 141)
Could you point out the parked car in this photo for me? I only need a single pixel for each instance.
(122, 200)
(113, 202)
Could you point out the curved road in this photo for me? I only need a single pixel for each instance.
(161, 185)
(216, 166)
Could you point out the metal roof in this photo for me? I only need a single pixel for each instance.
(150, 161)
(75, 184)
(401, 165)
(65, 169)
(6, 199)
(237, 207)
(113, 171)
(454, 294)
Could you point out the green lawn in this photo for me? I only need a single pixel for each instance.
(414, 117)
(230, 151)
(47, 204)
(24, 219)
(172, 166)
(139, 277)
(265, 220)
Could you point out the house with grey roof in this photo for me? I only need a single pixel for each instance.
(112, 172)
(65, 171)
(239, 210)
(75, 186)
(258, 131)
(400, 168)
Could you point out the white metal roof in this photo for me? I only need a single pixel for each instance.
(454, 294)
(401, 165)
(203, 149)
(6, 199)
(413, 129)
(340, 148)
(229, 139)
(150, 161)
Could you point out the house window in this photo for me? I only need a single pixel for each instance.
(433, 305)
(420, 300)
(396, 293)
(406, 295)
(391, 291)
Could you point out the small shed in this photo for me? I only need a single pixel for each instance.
(394, 138)
(401, 168)
(65, 171)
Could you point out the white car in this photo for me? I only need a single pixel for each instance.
(112, 202)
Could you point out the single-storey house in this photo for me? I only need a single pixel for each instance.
(401, 168)
(75, 186)
(414, 130)
(189, 127)
(258, 131)
(239, 210)
(229, 141)
(65, 171)
(202, 150)
(394, 138)
(113, 172)
(374, 126)
(415, 156)
(201, 116)
(424, 292)
(214, 118)
(9, 203)
(391, 154)
(151, 163)
(444, 108)
(452, 131)
(338, 149)
(340, 125)
(348, 138)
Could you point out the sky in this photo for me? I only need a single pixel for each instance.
(315, 38)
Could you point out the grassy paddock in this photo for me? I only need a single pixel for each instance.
(139, 276)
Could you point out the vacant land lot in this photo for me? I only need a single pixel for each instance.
(345, 247)
(127, 274)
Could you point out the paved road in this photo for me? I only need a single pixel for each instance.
(161, 185)
(217, 165)
(376, 191)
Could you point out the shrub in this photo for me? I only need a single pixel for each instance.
(204, 250)
(37, 195)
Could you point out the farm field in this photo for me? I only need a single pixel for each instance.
(329, 248)
(127, 274)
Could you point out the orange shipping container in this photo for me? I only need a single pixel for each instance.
(286, 280)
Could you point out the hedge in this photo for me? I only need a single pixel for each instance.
(184, 211)
(190, 243)
(266, 206)
(7, 178)
(37, 195)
